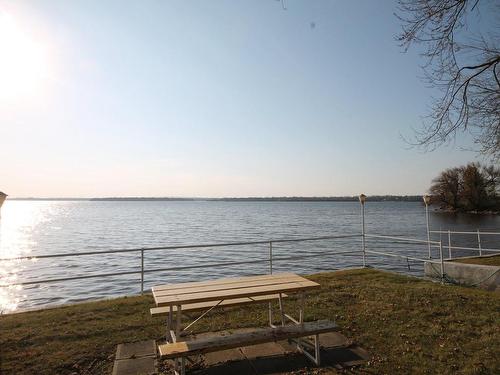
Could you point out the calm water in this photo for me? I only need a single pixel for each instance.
(46, 227)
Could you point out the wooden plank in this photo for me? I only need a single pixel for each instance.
(234, 293)
(258, 336)
(229, 280)
(206, 305)
(241, 284)
(179, 288)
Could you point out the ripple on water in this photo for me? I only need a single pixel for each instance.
(42, 227)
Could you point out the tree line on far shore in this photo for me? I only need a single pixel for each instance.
(470, 188)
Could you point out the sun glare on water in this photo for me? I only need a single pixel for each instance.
(17, 224)
(23, 60)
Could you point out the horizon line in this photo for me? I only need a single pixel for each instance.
(174, 198)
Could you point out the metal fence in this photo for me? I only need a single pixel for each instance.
(439, 244)
(480, 249)
(142, 270)
(366, 240)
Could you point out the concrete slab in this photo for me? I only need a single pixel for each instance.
(362, 355)
(275, 358)
(214, 358)
(263, 350)
(286, 364)
(135, 366)
(344, 357)
(242, 367)
(326, 340)
(333, 340)
(288, 347)
(136, 350)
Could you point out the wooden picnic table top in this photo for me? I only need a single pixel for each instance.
(229, 288)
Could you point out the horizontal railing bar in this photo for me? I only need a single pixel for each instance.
(71, 278)
(403, 256)
(383, 241)
(453, 232)
(314, 238)
(490, 250)
(205, 265)
(445, 246)
(400, 238)
(128, 273)
(176, 247)
(309, 255)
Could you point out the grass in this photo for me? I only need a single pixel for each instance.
(486, 261)
(408, 325)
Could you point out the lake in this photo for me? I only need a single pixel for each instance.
(53, 227)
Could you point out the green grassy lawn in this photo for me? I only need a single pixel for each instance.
(487, 261)
(408, 325)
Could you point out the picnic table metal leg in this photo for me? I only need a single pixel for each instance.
(301, 320)
(271, 315)
(301, 312)
(281, 310)
(316, 359)
(169, 324)
(316, 350)
(178, 330)
(201, 316)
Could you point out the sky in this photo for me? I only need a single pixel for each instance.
(211, 99)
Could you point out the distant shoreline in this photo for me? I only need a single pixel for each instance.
(374, 198)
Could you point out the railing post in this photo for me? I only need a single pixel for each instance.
(142, 271)
(449, 244)
(427, 200)
(271, 272)
(362, 199)
(364, 238)
(442, 260)
(479, 243)
(271, 257)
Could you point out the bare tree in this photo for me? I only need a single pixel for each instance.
(473, 194)
(471, 187)
(492, 179)
(463, 63)
(446, 188)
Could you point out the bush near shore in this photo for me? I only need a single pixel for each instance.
(409, 326)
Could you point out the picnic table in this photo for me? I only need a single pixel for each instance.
(173, 299)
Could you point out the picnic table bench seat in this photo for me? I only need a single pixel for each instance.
(157, 311)
(258, 336)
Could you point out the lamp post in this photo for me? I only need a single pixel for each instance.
(3, 196)
(427, 201)
(362, 199)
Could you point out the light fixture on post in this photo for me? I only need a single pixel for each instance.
(362, 200)
(3, 196)
(427, 202)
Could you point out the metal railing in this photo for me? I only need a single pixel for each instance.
(270, 259)
(439, 244)
(143, 270)
(480, 249)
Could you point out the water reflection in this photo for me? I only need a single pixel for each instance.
(448, 220)
(42, 227)
(18, 223)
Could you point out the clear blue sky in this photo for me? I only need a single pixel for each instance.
(211, 98)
